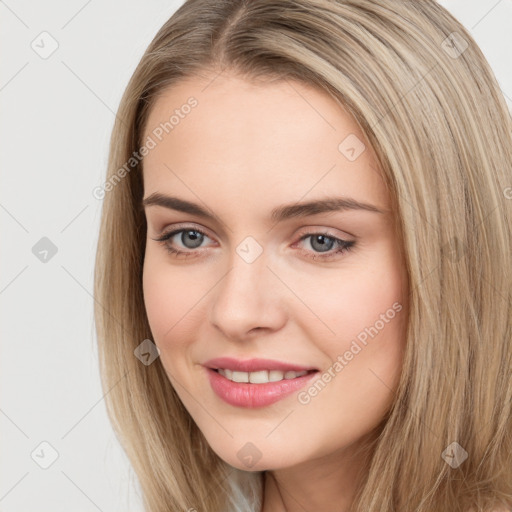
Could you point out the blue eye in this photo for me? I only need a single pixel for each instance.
(325, 243)
(192, 238)
(195, 235)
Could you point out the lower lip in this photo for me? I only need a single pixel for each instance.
(245, 394)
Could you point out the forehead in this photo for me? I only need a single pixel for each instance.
(242, 141)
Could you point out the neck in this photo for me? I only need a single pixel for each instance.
(315, 484)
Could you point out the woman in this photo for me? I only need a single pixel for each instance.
(303, 279)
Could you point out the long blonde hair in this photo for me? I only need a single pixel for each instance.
(424, 95)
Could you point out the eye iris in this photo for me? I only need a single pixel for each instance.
(196, 237)
(326, 243)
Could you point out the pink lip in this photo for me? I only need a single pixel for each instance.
(251, 396)
(253, 365)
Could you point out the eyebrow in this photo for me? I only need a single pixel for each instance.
(278, 214)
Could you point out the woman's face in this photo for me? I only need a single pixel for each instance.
(319, 288)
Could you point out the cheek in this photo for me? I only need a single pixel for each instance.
(157, 298)
(365, 309)
(164, 297)
(174, 299)
(350, 301)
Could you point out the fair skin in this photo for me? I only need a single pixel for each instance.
(244, 150)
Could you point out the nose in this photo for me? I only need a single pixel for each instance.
(248, 300)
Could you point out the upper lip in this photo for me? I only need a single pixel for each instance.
(253, 365)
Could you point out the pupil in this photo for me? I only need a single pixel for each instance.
(325, 243)
(195, 236)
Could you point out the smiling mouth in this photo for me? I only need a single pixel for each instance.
(261, 376)
(259, 388)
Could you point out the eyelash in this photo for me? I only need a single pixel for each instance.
(343, 245)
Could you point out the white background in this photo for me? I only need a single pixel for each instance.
(56, 118)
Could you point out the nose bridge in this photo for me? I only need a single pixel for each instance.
(245, 297)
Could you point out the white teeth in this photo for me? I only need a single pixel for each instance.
(240, 377)
(275, 375)
(260, 377)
